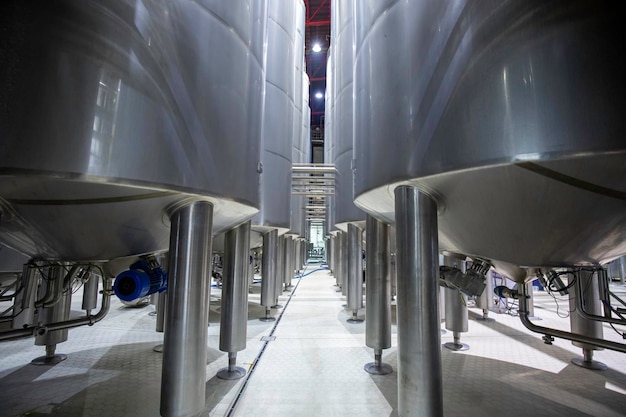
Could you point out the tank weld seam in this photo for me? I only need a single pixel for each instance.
(574, 182)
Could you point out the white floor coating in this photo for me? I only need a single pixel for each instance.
(313, 367)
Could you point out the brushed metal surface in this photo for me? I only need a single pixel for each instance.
(420, 391)
(188, 294)
(234, 312)
(278, 119)
(117, 109)
(342, 108)
(378, 285)
(507, 113)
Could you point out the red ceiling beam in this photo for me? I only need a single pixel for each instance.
(318, 23)
(320, 7)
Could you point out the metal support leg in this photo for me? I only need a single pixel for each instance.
(485, 301)
(344, 264)
(280, 269)
(531, 301)
(289, 261)
(183, 382)
(378, 295)
(234, 313)
(268, 273)
(420, 391)
(25, 298)
(355, 272)
(56, 313)
(456, 318)
(584, 326)
(160, 318)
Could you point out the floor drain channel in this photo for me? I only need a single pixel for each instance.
(265, 339)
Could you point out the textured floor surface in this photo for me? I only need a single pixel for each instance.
(313, 366)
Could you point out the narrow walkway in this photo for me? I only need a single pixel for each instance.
(315, 365)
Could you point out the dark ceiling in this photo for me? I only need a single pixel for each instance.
(317, 31)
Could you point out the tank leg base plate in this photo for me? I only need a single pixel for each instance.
(383, 369)
(593, 365)
(49, 360)
(236, 372)
(456, 346)
(266, 319)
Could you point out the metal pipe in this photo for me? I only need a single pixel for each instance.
(268, 269)
(234, 312)
(523, 315)
(377, 285)
(183, 380)
(582, 310)
(58, 311)
(89, 320)
(90, 294)
(586, 293)
(55, 292)
(420, 391)
(67, 324)
(25, 298)
(355, 268)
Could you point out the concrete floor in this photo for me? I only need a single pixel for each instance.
(313, 367)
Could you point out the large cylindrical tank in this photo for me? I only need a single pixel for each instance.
(112, 111)
(508, 113)
(297, 202)
(276, 155)
(343, 114)
(329, 139)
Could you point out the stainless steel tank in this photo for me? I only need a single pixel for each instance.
(297, 202)
(508, 113)
(329, 139)
(112, 111)
(276, 156)
(343, 115)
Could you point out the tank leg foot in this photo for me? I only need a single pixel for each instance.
(232, 371)
(587, 361)
(486, 317)
(378, 367)
(50, 358)
(354, 318)
(267, 316)
(158, 348)
(456, 345)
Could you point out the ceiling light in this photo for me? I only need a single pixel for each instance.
(316, 48)
(319, 95)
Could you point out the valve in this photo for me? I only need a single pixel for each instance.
(144, 277)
